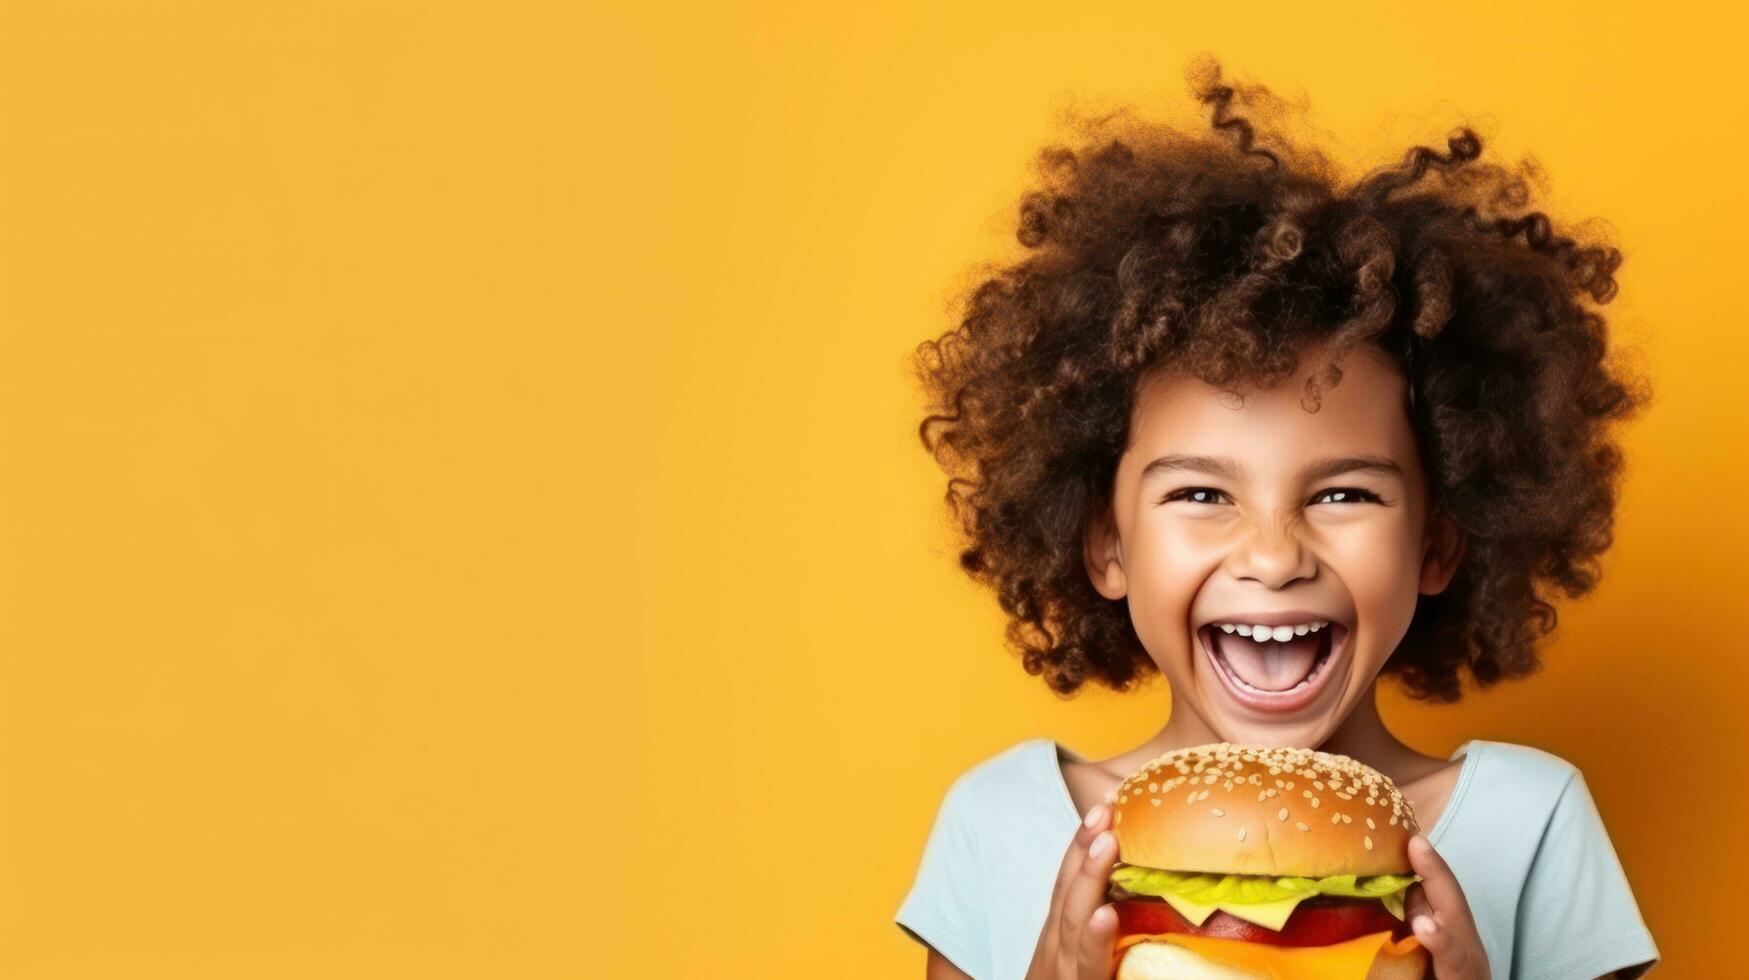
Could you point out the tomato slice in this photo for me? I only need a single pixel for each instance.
(1319, 921)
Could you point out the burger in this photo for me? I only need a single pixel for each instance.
(1242, 861)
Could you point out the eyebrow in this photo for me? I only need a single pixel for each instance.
(1321, 469)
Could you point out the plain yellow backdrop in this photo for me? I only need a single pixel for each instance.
(459, 495)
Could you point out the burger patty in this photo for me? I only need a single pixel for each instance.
(1317, 921)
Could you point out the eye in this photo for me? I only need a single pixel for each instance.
(1346, 495)
(1197, 495)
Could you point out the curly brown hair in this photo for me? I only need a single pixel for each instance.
(1224, 253)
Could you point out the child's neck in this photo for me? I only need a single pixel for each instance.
(1362, 735)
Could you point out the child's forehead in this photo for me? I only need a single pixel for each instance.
(1367, 411)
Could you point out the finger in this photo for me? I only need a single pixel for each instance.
(1428, 932)
(1097, 941)
(1451, 958)
(1076, 851)
(1086, 893)
(1073, 855)
(1441, 885)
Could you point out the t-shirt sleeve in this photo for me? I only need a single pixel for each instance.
(945, 907)
(1577, 918)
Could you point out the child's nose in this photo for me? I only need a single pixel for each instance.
(1272, 556)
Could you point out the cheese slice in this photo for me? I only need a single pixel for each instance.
(1350, 960)
(1270, 915)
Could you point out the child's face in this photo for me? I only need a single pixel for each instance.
(1262, 513)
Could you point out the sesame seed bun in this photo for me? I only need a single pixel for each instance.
(1234, 809)
(1225, 808)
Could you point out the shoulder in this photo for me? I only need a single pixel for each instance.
(1508, 788)
(1542, 799)
(1015, 793)
(1017, 766)
(979, 801)
(1524, 764)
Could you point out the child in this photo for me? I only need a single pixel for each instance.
(1276, 440)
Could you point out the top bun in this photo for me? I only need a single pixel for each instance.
(1225, 808)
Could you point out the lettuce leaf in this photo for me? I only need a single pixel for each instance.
(1216, 889)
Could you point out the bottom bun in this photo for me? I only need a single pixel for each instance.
(1166, 961)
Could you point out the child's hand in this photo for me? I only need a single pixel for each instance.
(1081, 930)
(1440, 915)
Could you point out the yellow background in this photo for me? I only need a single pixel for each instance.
(460, 506)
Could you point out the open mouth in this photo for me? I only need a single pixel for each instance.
(1274, 668)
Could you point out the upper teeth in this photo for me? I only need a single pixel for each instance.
(1279, 634)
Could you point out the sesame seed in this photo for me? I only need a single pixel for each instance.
(1217, 811)
(1393, 821)
(1319, 783)
(1153, 787)
(1314, 802)
(1335, 818)
(1370, 825)
(1155, 801)
(1281, 814)
(1241, 831)
(1369, 843)
(1301, 824)
(1347, 819)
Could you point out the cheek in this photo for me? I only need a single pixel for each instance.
(1167, 568)
(1379, 563)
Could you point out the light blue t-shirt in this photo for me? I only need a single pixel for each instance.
(1520, 831)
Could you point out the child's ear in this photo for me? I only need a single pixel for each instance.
(1103, 554)
(1441, 550)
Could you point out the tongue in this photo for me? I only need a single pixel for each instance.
(1269, 665)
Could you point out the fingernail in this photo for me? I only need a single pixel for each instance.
(1424, 925)
(1101, 844)
(1094, 814)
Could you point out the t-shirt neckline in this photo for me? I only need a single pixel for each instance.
(1465, 773)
